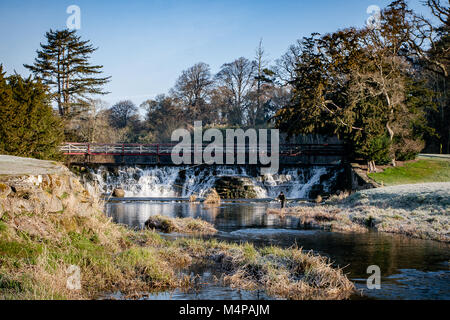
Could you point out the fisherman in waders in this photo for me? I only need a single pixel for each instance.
(282, 199)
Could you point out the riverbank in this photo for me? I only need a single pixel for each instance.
(50, 222)
(418, 210)
(423, 170)
(53, 232)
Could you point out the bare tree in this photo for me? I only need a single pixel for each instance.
(222, 101)
(285, 67)
(424, 36)
(193, 88)
(238, 77)
(93, 125)
(263, 86)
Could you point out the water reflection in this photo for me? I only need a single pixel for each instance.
(411, 268)
(227, 216)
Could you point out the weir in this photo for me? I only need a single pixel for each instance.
(316, 166)
(231, 182)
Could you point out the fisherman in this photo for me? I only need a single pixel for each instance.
(282, 198)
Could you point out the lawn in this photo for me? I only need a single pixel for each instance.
(421, 171)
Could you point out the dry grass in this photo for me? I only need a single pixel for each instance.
(37, 246)
(283, 273)
(339, 197)
(320, 217)
(419, 211)
(212, 197)
(128, 263)
(180, 225)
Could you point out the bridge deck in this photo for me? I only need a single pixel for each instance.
(160, 153)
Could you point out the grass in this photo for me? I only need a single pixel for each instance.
(37, 248)
(148, 263)
(421, 171)
(129, 263)
(319, 217)
(416, 210)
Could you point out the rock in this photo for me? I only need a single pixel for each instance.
(5, 190)
(19, 205)
(51, 203)
(160, 224)
(212, 197)
(230, 187)
(55, 205)
(118, 193)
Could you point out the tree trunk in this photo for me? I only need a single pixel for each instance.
(371, 167)
(391, 137)
(60, 107)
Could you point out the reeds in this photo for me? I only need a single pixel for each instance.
(282, 273)
(180, 225)
(212, 197)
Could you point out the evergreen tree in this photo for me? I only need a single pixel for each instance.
(354, 83)
(63, 65)
(28, 127)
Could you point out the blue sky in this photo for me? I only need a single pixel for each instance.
(144, 45)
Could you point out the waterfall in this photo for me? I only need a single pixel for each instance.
(182, 182)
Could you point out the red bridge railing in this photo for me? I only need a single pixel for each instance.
(165, 149)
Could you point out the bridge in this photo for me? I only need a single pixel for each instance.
(160, 153)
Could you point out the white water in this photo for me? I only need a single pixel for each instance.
(172, 182)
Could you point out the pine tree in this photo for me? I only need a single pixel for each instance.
(63, 65)
(28, 126)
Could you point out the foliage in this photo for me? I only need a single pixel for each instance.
(122, 113)
(360, 84)
(163, 116)
(355, 83)
(63, 65)
(375, 148)
(28, 127)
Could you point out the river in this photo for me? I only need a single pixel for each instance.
(410, 268)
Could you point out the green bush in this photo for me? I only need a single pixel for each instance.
(28, 126)
(376, 148)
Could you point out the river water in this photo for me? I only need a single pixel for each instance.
(410, 268)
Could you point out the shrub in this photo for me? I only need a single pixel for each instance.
(28, 126)
(375, 148)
